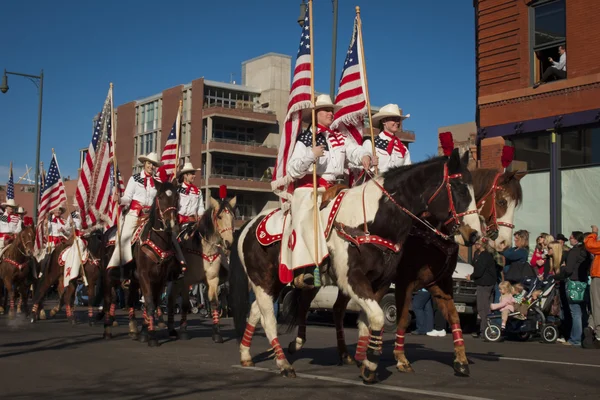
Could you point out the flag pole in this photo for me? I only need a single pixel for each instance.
(117, 185)
(10, 171)
(364, 66)
(75, 241)
(314, 129)
(178, 134)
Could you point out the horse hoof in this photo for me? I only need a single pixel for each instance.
(53, 313)
(346, 359)
(42, 315)
(153, 343)
(143, 338)
(217, 338)
(115, 323)
(288, 373)
(369, 377)
(292, 347)
(461, 369)
(107, 336)
(405, 368)
(184, 336)
(247, 363)
(33, 320)
(173, 334)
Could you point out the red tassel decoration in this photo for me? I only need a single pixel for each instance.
(508, 154)
(222, 192)
(27, 221)
(162, 174)
(447, 143)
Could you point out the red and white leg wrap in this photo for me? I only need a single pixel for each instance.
(90, 311)
(399, 346)
(113, 307)
(277, 350)
(215, 317)
(248, 333)
(361, 348)
(457, 335)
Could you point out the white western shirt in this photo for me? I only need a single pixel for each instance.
(191, 202)
(398, 157)
(141, 188)
(58, 227)
(561, 65)
(330, 166)
(10, 223)
(76, 218)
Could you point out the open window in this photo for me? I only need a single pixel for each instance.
(547, 26)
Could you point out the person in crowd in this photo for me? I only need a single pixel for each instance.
(538, 260)
(519, 252)
(423, 309)
(558, 70)
(484, 275)
(507, 302)
(592, 245)
(439, 322)
(576, 269)
(553, 260)
(563, 242)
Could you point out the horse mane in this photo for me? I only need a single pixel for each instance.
(12, 251)
(206, 226)
(160, 189)
(483, 179)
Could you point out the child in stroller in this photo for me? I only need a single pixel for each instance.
(530, 316)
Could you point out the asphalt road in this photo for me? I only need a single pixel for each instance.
(53, 359)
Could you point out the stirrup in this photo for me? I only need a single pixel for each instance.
(299, 283)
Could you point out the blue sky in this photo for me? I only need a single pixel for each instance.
(419, 54)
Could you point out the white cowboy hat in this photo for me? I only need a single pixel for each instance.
(151, 157)
(387, 111)
(21, 211)
(322, 101)
(9, 203)
(187, 167)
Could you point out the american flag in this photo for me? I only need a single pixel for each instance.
(40, 234)
(10, 186)
(351, 91)
(54, 193)
(113, 207)
(299, 100)
(92, 187)
(169, 154)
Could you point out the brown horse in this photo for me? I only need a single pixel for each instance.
(17, 268)
(390, 205)
(429, 261)
(202, 252)
(54, 274)
(153, 261)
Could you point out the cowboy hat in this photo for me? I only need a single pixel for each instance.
(151, 157)
(388, 111)
(187, 167)
(21, 211)
(322, 101)
(9, 203)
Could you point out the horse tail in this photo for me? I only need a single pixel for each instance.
(293, 314)
(239, 290)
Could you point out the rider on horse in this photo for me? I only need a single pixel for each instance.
(73, 257)
(10, 224)
(330, 155)
(390, 151)
(191, 203)
(58, 228)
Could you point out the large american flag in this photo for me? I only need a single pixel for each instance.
(351, 91)
(93, 185)
(40, 231)
(113, 206)
(169, 157)
(299, 100)
(10, 186)
(54, 193)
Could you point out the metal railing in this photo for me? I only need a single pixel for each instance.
(240, 105)
(240, 178)
(251, 143)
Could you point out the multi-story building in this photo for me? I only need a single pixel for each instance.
(555, 128)
(229, 130)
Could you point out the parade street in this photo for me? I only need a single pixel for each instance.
(53, 359)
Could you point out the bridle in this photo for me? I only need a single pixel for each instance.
(493, 228)
(161, 214)
(215, 215)
(451, 207)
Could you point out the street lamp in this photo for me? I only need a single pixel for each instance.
(38, 81)
(334, 41)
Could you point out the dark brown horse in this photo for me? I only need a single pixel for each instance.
(202, 249)
(54, 274)
(17, 270)
(153, 262)
(429, 261)
(390, 205)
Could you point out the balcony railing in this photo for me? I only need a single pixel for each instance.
(241, 178)
(251, 143)
(240, 105)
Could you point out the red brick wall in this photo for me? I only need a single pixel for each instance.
(196, 122)
(170, 105)
(583, 37)
(124, 142)
(491, 151)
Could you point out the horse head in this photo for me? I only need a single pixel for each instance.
(26, 238)
(222, 219)
(94, 242)
(498, 195)
(454, 200)
(165, 207)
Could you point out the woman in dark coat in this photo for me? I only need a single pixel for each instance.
(484, 275)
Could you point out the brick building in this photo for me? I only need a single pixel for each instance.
(229, 130)
(554, 128)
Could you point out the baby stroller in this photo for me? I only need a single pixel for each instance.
(533, 316)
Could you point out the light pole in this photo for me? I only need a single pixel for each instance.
(334, 41)
(40, 85)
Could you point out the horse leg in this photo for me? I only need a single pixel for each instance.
(90, 273)
(404, 291)
(10, 291)
(253, 318)
(442, 293)
(108, 292)
(339, 309)
(185, 310)
(160, 316)
(61, 294)
(68, 296)
(265, 304)
(306, 297)
(213, 285)
(172, 295)
(133, 326)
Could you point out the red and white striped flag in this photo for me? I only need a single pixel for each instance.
(351, 91)
(40, 230)
(93, 186)
(169, 157)
(299, 100)
(113, 207)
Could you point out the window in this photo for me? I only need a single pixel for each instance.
(217, 97)
(233, 133)
(185, 140)
(244, 206)
(547, 32)
(148, 116)
(580, 147)
(534, 149)
(235, 168)
(144, 144)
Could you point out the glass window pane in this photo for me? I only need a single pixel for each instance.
(580, 147)
(534, 213)
(550, 23)
(533, 149)
(579, 199)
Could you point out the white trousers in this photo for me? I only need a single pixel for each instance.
(122, 254)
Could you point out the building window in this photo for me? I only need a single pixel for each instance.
(547, 33)
(235, 168)
(144, 144)
(222, 132)
(184, 142)
(148, 116)
(244, 206)
(580, 147)
(534, 149)
(217, 97)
